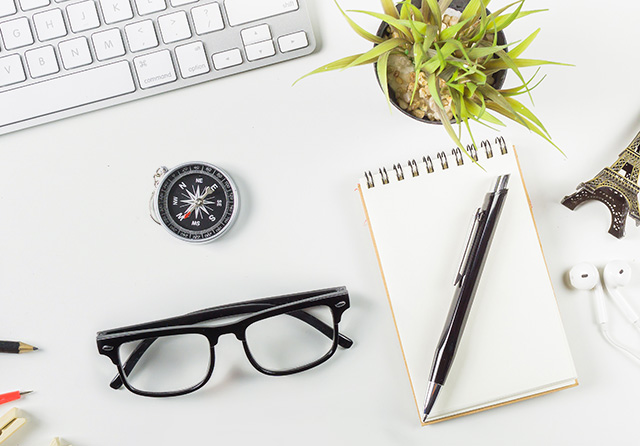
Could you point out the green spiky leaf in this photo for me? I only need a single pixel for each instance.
(496, 64)
(471, 10)
(391, 21)
(524, 111)
(389, 8)
(432, 82)
(450, 32)
(515, 52)
(383, 63)
(335, 65)
(485, 51)
(434, 10)
(418, 17)
(520, 119)
(444, 4)
(501, 22)
(358, 29)
(377, 51)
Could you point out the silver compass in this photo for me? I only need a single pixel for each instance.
(196, 202)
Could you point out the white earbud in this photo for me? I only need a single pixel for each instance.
(584, 276)
(618, 274)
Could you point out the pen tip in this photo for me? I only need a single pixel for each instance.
(35, 348)
(26, 392)
(432, 394)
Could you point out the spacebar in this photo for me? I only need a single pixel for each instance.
(66, 92)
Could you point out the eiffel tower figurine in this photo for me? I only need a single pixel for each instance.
(615, 186)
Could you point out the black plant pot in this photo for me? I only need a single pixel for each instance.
(458, 5)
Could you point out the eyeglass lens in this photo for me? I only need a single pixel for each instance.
(288, 341)
(169, 364)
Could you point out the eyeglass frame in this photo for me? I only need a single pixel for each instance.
(110, 341)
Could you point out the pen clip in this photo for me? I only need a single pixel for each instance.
(462, 269)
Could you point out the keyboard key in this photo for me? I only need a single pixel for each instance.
(260, 50)
(83, 16)
(108, 44)
(192, 59)
(16, 33)
(141, 36)
(244, 11)
(227, 59)
(28, 5)
(115, 11)
(7, 7)
(255, 34)
(154, 69)
(42, 61)
(150, 6)
(49, 25)
(292, 42)
(66, 92)
(75, 53)
(174, 27)
(207, 18)
(11, 70)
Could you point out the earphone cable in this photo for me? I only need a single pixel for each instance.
(617, 345)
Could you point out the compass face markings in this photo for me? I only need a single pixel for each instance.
(196, 202)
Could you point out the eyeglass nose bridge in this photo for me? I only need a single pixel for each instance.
(237, 331)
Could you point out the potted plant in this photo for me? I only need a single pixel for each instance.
(445, 61)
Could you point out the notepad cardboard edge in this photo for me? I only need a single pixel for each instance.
(567, 384)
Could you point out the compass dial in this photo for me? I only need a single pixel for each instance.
(196, 202)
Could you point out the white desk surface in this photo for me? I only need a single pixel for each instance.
(79, 252)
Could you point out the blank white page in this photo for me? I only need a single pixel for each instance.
(514, 345)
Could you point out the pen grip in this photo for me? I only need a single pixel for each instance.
(8, 397)
(9, 347)
(451, 335)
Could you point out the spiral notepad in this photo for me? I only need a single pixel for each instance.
(419, 213)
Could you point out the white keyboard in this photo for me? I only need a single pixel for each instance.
(64, 57)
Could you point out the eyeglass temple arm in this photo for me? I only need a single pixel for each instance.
(325, 329)
(132, 360)
(221, 311)
(139, 351)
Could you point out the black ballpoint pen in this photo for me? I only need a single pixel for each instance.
(466, 284)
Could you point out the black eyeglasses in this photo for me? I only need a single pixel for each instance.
(280, 335)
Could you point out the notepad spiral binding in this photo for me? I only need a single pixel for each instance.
(442, 158)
